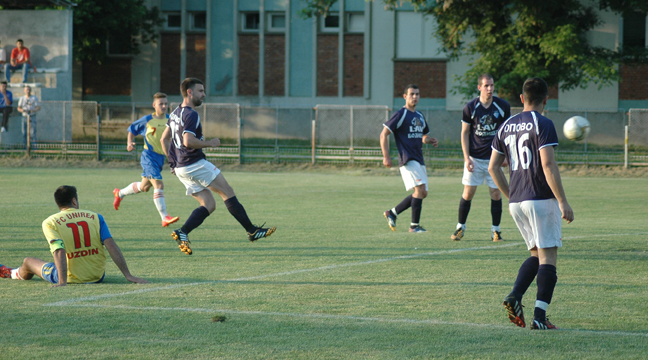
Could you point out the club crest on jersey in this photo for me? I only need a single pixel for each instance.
(417, 125)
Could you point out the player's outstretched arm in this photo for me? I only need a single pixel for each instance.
(430, 140)
(119, 260)
(552, 174)
(191, 141)
(384, 146)
(496, 172)
(60, 262)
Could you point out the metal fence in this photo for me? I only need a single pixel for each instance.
(324, 134)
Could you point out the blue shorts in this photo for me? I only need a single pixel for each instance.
(49, 273)
(152, 164)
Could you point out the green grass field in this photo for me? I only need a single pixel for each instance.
(332, 283)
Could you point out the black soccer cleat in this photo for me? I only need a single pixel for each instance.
(497, 236)
(542, 325)
(514, 309)
(458, 234)
(182, 240)
(391, 220)
(260, 232)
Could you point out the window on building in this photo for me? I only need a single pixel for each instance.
(355, 23)
(276, 22)
(415, 36)
(199, 21)
(250, 22)
(634, 29)
(330, 23)
(173, 21)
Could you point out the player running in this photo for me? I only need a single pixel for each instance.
(410, 133)
(182, 142)
(151, 128)
(537, 200)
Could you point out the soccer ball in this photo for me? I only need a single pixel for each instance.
(576, 128)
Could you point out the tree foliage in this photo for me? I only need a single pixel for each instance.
(516, 39)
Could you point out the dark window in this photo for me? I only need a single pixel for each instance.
(251, 21)
(634, 29)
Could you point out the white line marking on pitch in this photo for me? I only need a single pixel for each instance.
(328, 267)
(348, 317)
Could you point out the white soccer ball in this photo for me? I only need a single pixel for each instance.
(576, 128)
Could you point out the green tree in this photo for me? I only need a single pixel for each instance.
(516, 39)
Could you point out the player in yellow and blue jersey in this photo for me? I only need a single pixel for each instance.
(151, 128)
(78, 241)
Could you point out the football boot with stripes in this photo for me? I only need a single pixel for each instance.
(168, 220)
(458, 234)
(417, 229)
(260, 232)
(5, 272)
(391, 220)
(117, 200)
(514, 309)
(497, 236)
(182, 240)
(542, 325)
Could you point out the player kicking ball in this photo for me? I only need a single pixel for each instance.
(151, 128)
(182, 142)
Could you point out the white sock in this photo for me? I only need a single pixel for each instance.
(15, 275)
(495, 228)
(462, 226)
(160, 204)
(542, 305)
(394, 211)
(131, 189)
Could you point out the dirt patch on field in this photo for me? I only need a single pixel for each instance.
(360, 170)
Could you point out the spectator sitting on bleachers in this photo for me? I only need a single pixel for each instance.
(6, 99)
(20, 59)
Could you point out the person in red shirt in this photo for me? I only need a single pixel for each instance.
(20, 59)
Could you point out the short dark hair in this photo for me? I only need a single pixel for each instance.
(535, 90)
(20, 41)
(410, 86)
(3, 82)
(64, 195)
(484, 76)
(187, 84)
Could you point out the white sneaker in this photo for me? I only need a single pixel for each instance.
(3, 129)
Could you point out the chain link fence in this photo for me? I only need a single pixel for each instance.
(339, 134)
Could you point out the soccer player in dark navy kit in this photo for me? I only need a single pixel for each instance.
(182, 142)
(410, 132)
(537, 200)
(482, 116)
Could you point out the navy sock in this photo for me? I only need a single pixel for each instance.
(547, 279)
(496, 211)
(404, 205)
(417, 204)
(195, 219)
(525, 277)
(464, 209)
(238, 211)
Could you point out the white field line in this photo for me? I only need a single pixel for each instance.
(322, 268)
(349, 317)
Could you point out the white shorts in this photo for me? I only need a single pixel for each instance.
(539, 222)
(197, 176)
(478, 175)
(414, 174)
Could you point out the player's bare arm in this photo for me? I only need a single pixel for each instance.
(192, 142)
(384, 146)
(430, 140)
(118, 259)
(130, 143)
(496, 172)
(60, 262)
(165, 140)
(552, 174)
(465, 146)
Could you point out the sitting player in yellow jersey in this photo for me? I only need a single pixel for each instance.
(151, 128)
(77, 239)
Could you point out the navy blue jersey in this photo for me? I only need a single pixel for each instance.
(184, 120)
(520, 139)
(484, 123)
(408, 129)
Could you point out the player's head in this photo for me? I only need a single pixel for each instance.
(160, 103)
(411, 95)
(535, 91)
(486, 86)
(27, 90)
(65, 196)
(19, 43)
(3, 84)
(193, 89)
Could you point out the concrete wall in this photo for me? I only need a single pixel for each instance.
(48, 35)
